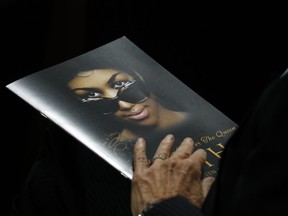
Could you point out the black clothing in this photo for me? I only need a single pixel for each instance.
(69, 179)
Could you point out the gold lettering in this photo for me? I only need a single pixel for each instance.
(209, 164)
(210, 173)
(217, 154)
(225, 132)
(196, 144)
(207, 139)
(220, 145)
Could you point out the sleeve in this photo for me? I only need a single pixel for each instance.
(40, 194)
(253, 176)
(175, 206)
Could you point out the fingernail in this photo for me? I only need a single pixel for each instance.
(188, 139)
(169, 137)
(140, 141)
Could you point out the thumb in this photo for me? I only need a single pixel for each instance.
(206, 185)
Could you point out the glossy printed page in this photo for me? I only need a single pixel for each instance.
(110, 96)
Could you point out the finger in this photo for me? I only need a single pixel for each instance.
(206, 185)
(140, 158)
(185, 149)
(198, 158)
(164, 149)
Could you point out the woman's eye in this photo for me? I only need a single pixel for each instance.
(93, 94)
(119, 84)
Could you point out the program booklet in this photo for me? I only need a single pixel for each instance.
(108, 97)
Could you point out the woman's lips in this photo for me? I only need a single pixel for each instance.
(139, 114)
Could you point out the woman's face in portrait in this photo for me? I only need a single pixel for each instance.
(112, 92)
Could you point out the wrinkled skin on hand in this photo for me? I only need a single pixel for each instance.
(179, 174)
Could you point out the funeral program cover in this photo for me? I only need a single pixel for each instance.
(108, 97)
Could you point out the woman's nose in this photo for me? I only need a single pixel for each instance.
(112, 93)
(123, 105)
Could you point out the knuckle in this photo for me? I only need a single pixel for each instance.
(173, 161)
(141, 159)
(136, 177)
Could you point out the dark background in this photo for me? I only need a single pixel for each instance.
(226, 53)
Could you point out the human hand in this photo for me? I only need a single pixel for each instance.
(167, 176)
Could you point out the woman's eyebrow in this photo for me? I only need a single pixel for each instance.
(85, 89)
(112, 78)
